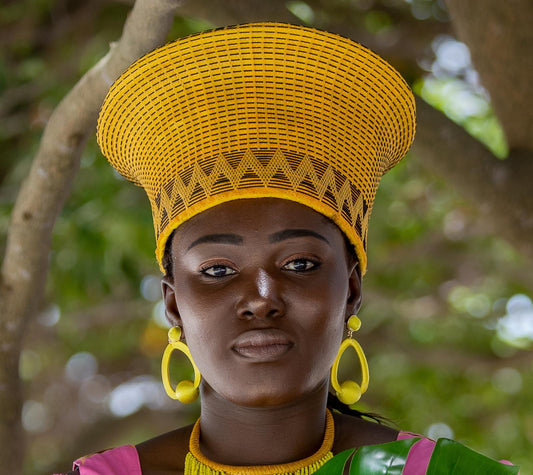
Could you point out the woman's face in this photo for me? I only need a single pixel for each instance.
(261, 288)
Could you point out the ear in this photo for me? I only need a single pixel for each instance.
(353, 303)
(169, 298)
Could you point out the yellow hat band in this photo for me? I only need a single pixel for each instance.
(258, 110)
(266, 174)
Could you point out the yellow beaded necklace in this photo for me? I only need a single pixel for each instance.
(197, 464)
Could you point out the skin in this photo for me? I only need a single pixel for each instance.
(262, 289)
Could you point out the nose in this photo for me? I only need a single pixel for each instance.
(261, 298)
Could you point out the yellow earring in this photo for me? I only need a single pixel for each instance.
(186, 391)
(350, 392)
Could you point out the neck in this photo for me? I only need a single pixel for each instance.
(237, 435)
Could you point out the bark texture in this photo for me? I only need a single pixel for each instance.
(41, 198)
(500, 39)
(501, 188)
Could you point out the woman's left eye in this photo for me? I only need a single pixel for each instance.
(300, 265)
(218, 271)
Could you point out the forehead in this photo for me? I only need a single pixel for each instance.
(256, 218)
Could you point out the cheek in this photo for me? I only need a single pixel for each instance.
(206, 344)
(200, 322)
(198, 308)
(199, 325)
(332, 334)
(322, 329)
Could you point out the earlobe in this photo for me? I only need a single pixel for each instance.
(353, 302)
(169, 299)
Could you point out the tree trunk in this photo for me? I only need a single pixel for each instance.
(499, 188)
(500, 38)
(40, 200)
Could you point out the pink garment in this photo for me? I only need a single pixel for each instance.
(124, 460)
(419, 455)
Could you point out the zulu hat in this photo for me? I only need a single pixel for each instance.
(258, 110)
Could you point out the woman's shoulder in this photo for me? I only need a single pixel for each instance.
(165, 453)
(157, 456)
(121, 460)
(352, 432)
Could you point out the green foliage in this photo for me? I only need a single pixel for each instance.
(466, 107)
(435, 292)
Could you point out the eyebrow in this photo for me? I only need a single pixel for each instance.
(294, 233)
(217, 238)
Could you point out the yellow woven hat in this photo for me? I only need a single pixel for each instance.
(258, 110)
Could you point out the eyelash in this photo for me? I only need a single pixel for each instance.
(204, 270)
(314, 264)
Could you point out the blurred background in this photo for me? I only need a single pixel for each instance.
(447, 305)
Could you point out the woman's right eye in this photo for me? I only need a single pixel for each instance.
(218, 270)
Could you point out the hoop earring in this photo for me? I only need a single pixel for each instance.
(350, 392)
(186, 391)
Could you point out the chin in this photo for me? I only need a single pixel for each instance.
(256, 396)
(265, 400)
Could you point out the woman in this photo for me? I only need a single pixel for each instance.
(261, 147)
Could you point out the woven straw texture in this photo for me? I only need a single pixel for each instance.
(258, 110)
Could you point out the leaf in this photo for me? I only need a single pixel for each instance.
(450, 457)
(383, 459)
(336, 465)
(386, 459)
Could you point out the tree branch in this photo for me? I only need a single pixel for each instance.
(41, 198)
(501, 188)
(500, 39)
(228, 12)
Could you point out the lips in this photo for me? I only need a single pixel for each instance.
(262, 345)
